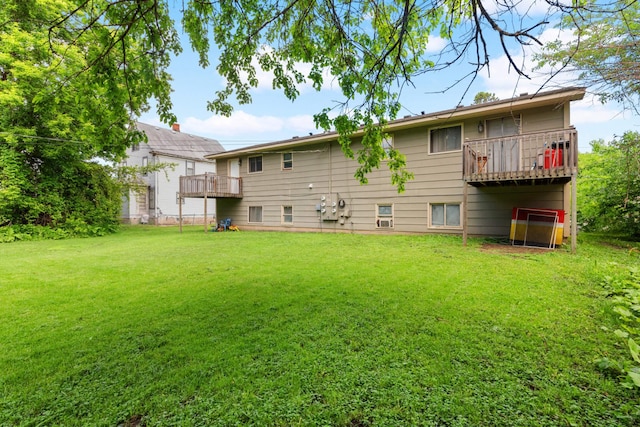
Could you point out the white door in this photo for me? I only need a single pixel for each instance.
(234, 172)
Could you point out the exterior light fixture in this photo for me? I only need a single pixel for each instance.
(480, 127)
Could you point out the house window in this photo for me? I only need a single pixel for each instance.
(287, 161)
(445, 215)
(387, 144)
(255, 164)
(135, 147)
(191, 168)
(445, 139)
(145, 163)
(384, 216)
(255, 213)
(287, 214)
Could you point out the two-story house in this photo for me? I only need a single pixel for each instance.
(473, 166)
(158, 200)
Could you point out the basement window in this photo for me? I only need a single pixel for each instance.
(255, 213)
(445, 215)
(384, 216)
(287, 214)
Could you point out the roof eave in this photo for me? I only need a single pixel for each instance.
(180, 156)
(557, 97)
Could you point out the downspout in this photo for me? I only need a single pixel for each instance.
(155, 190)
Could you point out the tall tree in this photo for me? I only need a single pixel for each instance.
(65, 99)
(603, 49)
(75, 73)
(609, 186)
(482, 97)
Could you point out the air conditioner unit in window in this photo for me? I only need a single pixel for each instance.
(385, 223)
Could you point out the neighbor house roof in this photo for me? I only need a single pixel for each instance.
(173, 143)
(553, 97)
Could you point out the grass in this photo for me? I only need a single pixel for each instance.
(151, 327)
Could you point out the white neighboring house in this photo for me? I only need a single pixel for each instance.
(159, 203)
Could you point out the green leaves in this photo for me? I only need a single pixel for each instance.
(626, 298)
(609, 186)
(634, 349)
(600, 47)
(370, 49)
(73, 77)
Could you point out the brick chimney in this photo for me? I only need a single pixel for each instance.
(176, 127)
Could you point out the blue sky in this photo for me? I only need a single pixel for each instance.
(272, 117)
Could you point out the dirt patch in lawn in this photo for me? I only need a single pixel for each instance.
(510, 249)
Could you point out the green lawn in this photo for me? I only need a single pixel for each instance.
(151, 327)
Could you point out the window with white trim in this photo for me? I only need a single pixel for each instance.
(190, 168)
(255, 164)
(384, 215)
(287, 214)
(145, 163)
(287, 161)
(445, 215)
(445, 139)
(387, 144)
(255, 213)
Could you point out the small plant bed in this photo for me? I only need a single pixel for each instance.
(150, 327)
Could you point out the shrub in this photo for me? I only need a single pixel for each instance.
(625, 294)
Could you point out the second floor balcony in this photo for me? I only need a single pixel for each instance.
(210, 185)
(540, 157)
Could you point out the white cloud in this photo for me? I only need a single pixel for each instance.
(435, 44)
(590, 111)
(502, 79)
(522, 8)
(244, 125)
(302, 123)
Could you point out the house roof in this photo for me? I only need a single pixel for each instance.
(169, 142)
(548, 98)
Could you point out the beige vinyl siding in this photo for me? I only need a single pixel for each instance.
(542, 119)
(325, 166)
(222, 168)
(438, 179)
(489, 209)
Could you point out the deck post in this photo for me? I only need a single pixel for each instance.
(574, 212)
(205, 202)
(464, 213)
(180, 210)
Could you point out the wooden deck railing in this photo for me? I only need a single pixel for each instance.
(210, 185)
(542, 155)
